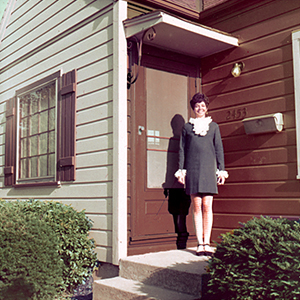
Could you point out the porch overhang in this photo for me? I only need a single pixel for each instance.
(178, 35)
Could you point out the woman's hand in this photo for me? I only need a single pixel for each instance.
(221, 179)
(181, 179)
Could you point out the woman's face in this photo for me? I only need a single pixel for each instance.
(200, 110)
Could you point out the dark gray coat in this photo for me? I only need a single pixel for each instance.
(201, 156)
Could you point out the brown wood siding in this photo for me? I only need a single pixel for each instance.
(185, 8)
(210, 3)
(262, 167)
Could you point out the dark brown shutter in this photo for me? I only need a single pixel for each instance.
(10, 143)
(67, 127)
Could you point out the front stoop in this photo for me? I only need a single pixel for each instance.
(166, 275)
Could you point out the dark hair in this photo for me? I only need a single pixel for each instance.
(198, 98)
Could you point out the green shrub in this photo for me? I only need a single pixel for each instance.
(75, 247)
(260, 260)
(31, 267)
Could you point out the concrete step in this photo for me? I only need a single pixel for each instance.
(119, 288)
(166, 275)
(178, 270)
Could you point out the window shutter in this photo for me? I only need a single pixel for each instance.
(10, 143)
(67, 127)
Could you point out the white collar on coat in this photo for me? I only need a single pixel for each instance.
(200, 125)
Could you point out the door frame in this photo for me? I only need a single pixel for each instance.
(137, 97)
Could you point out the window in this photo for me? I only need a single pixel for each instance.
(40, 132)
(296, 65)
(36, 140)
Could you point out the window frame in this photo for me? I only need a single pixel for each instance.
(36, 85)
(296, 70)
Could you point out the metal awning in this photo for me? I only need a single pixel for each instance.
(178, 35)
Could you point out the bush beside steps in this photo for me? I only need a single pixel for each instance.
(259, 260)
(45, 251)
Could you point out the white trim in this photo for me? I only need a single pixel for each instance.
(296, 65)
(6, 17)
(119, 235)
(137, 25)
(175, 34)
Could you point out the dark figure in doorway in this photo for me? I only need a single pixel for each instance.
(178, 201)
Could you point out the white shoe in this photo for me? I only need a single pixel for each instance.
(209, 251)
(200, 250)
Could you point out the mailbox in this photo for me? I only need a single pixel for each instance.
(264, 124)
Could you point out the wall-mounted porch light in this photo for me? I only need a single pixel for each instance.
(237, 69)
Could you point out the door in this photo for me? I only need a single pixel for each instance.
(160, 104)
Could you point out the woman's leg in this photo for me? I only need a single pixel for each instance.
(207, 217)
(197, 215)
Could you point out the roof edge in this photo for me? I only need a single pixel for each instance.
(6, 17)
(139, 24)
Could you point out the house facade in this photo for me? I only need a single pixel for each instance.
(93, 94)
(44, 41)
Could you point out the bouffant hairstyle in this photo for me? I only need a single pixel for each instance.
(198, 98)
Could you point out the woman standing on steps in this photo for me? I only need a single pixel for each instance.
(201, 168)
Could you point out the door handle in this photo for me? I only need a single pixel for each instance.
(141, 129)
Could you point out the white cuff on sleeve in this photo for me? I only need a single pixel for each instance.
(222, 173)
(180, 172)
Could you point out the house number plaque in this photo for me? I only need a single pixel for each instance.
(236, 114)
